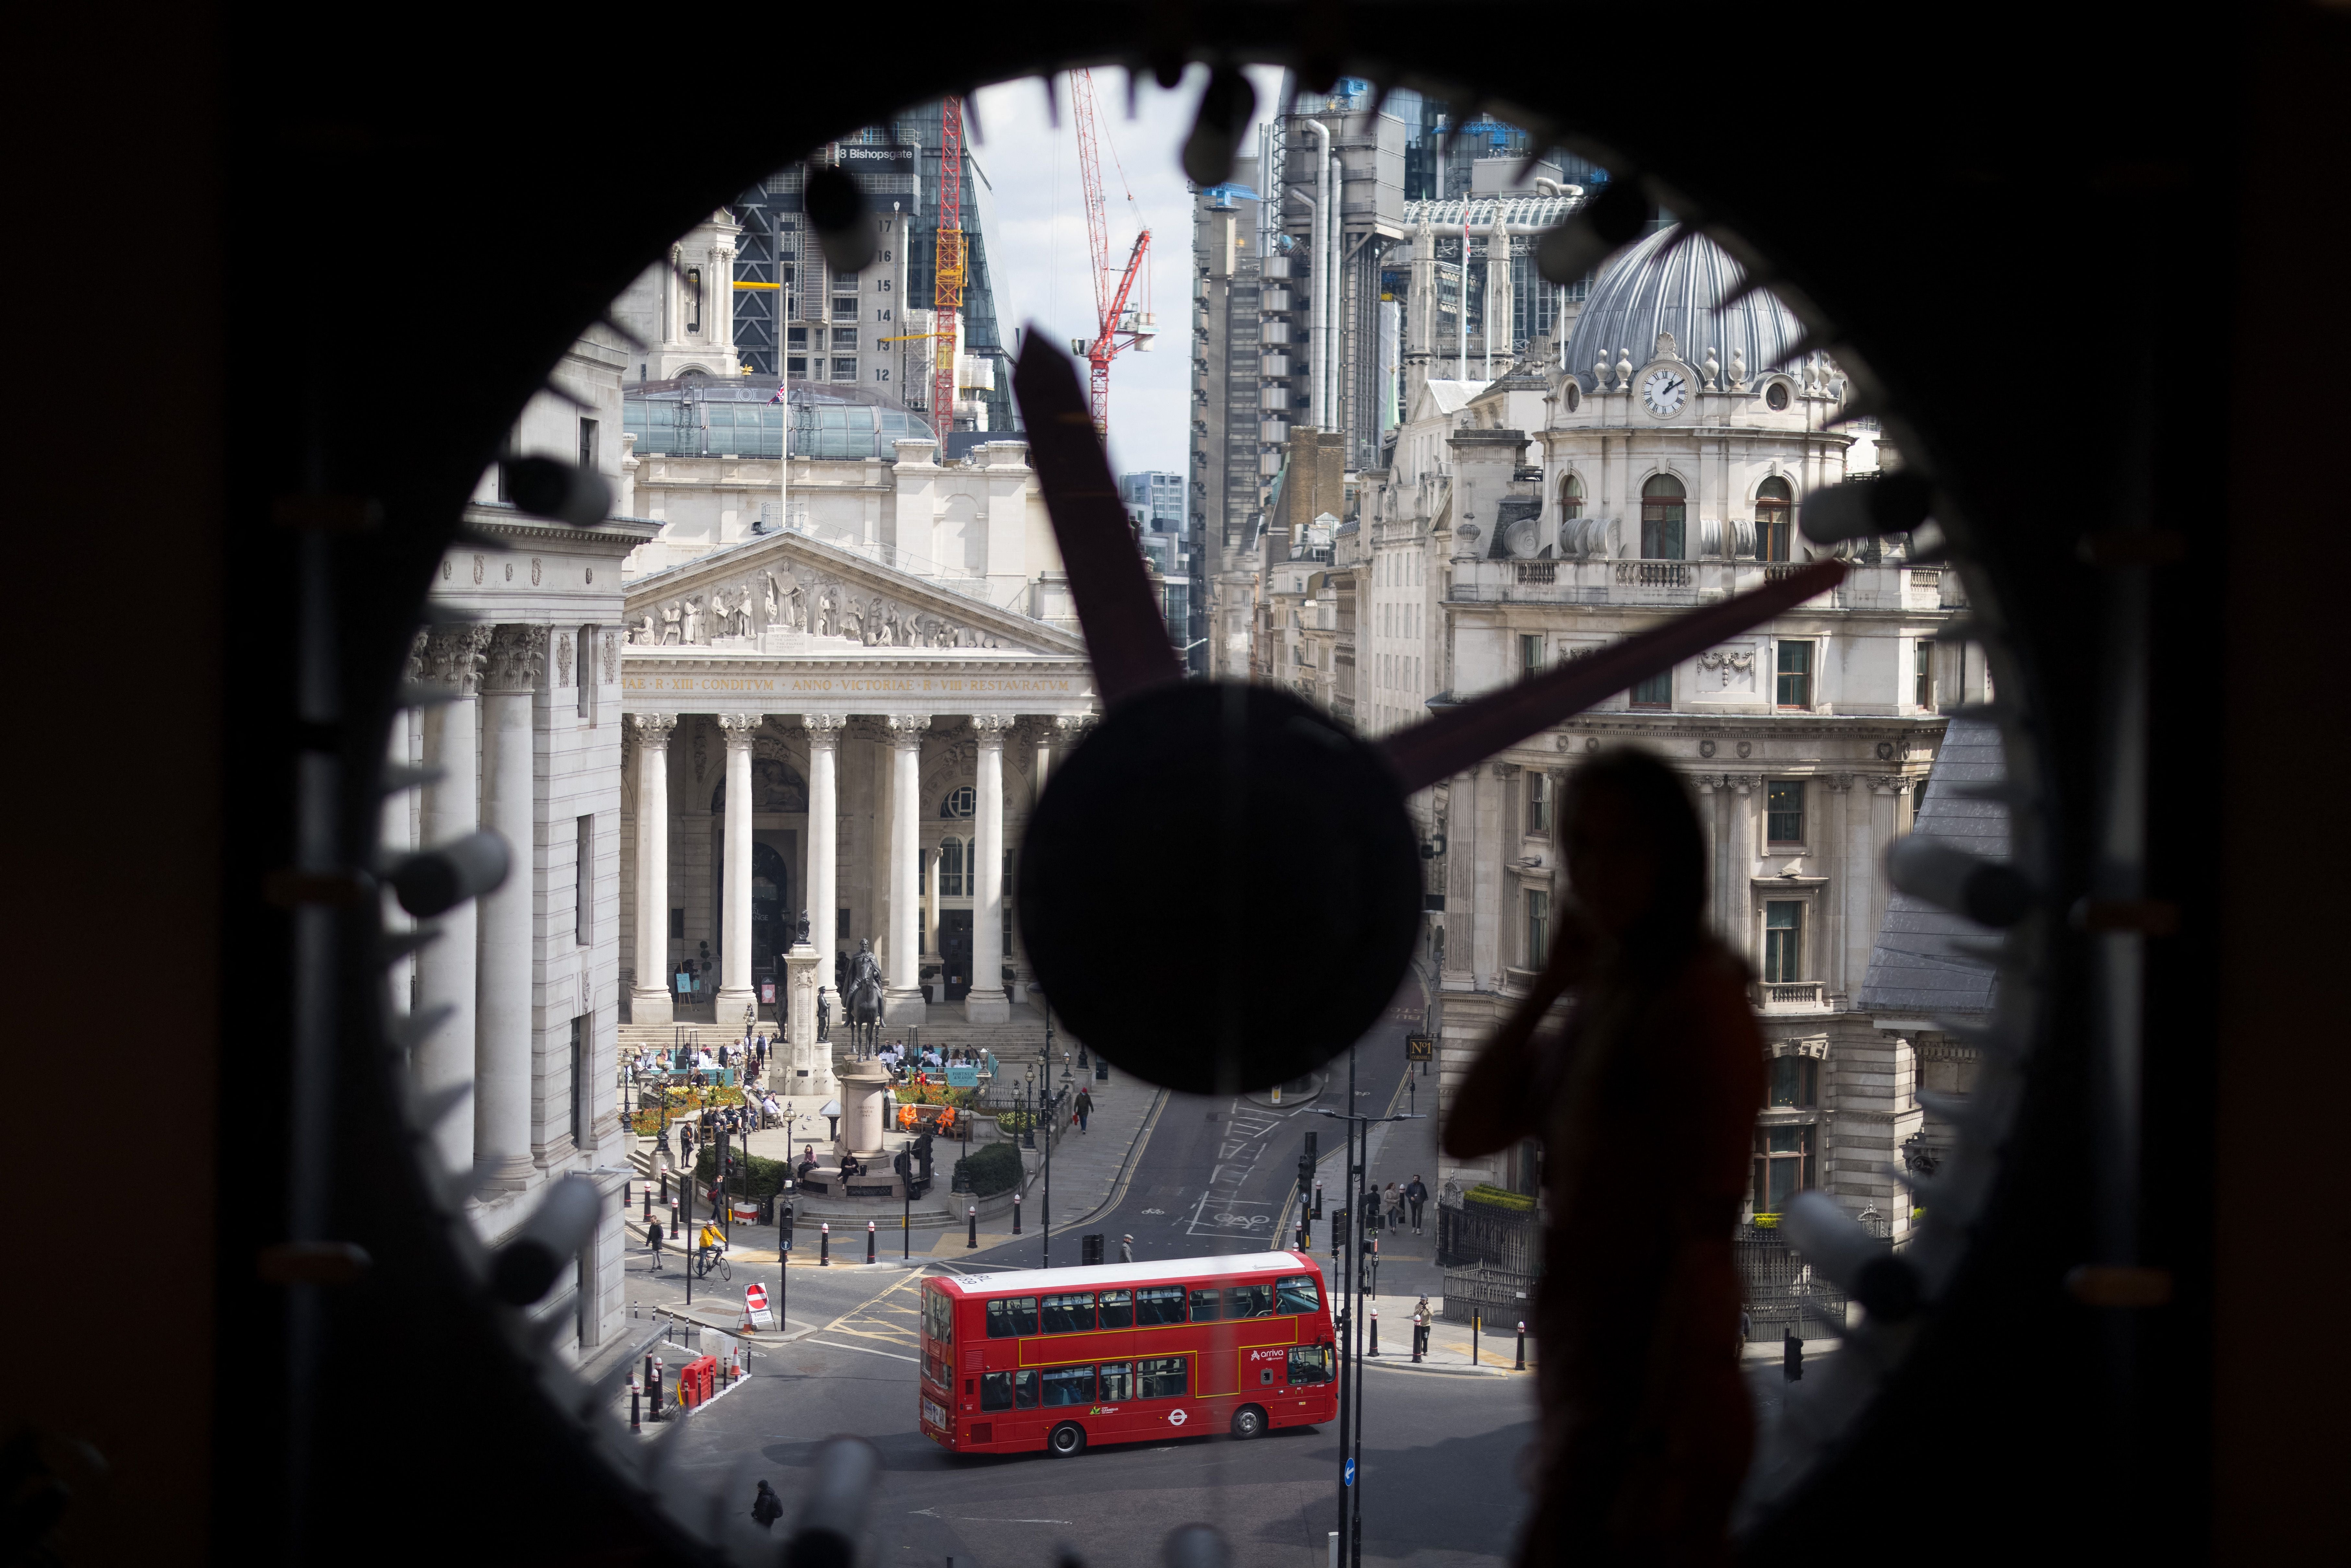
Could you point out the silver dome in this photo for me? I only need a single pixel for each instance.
(1638, 295)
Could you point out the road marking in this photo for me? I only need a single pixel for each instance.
(893, 1354)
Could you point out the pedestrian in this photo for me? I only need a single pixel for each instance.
(1416, 1193)
(1792, 1356)
(654, 1241)
(1659, 1068)
(1395, 1205)
(1420, 1328)
(1085, 1108)
(1126, 1248)
(765, 1507)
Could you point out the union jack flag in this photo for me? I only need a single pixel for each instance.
(778, 397)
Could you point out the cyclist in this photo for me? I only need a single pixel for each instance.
(713, 1245)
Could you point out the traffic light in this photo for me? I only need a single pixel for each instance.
(1306, 1168)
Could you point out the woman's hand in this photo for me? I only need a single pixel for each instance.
(1492, 1108)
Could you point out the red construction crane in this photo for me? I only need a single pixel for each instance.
(1114, 328)
(946, 294)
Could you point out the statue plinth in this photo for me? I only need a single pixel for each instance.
(811, 1064)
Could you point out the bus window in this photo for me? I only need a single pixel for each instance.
(1249, 1301)
(938, 1315)
(1007, 1391)
(1296, 1294)
(1309, 1364)
(1164, 1377)
(1117, 1311)
(1069, 1314)
(1204, 1304)
(1158, 1304)
(1117, 1382)
(1011, 1316)
(1070, 1386)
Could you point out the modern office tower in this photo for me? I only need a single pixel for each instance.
(1158, 494)
(1230, 430)
(896, 166)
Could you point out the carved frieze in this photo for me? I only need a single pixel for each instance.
(808, 602)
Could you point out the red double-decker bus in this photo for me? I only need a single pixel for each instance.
(1127, 1353)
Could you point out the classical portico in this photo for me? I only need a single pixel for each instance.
(834, 738)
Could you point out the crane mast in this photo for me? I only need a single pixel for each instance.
(1112, 331)
(946, 294)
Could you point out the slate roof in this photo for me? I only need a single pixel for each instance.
(1650, 288)
(1912, 969)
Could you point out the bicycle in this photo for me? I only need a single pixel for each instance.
(711, 1257)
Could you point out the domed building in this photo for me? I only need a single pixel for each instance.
(1653, 461)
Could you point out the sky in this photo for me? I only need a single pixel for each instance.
(1037, 249)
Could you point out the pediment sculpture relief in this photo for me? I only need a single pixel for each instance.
(801, 602)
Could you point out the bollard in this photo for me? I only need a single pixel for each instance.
(1418, 1333)
(664, 1184)
(673, 1216)
(1523, 1348)
(636, 1401)
(824, 1245)
(1016, 1213)
(869, 1242)
(1375, 1332)
(1476, 1322)
(971, 1238)
(649, 1203)
(653, 1386)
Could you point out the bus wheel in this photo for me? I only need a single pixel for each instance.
(1068, 1439)
(1248, 1421)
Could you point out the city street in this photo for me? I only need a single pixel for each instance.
(1211, 1176)
(1439, 1449)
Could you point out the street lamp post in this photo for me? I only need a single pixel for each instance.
(1357, 1265)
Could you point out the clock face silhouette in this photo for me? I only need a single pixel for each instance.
(1664, 391)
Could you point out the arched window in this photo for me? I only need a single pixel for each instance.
(1775, 512)
(1662, 514)
(1571, 498)
(956, 807)
(951, 868)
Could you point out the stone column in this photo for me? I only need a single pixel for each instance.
(903, 997)
(1487, 938)
(930, 915)
(1884, 819)
(734, 992)
(503, 987)
(821, 878)
(651, 1000)
(1739, 878)
(1705, 788)
(1842, 966)
(451, 808)
(404, 748)
(1461, 882)
(987, 1002)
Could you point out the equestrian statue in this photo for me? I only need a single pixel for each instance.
(861, 1000)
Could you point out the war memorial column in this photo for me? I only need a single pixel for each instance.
(502, 1041)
